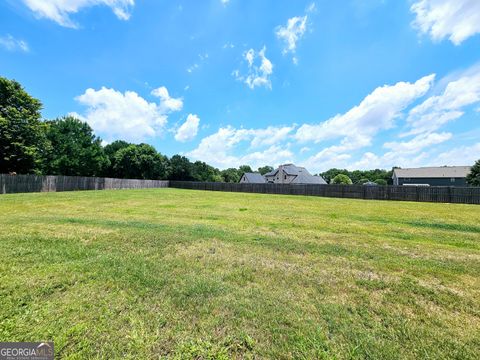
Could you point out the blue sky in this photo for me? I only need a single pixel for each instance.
(365, 84)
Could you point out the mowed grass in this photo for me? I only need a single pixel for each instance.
(169, 273)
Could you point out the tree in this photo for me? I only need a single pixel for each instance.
(201, 171)
(473, 178)
(358, 176)
(74, 150)
(22, 138)
(140, 162)
(110, 151)
(180, 168)
(230, 175)
(363, 181)
(381, 182)
(244, 169)
(330, 174)
(265, 169)
(341, 179)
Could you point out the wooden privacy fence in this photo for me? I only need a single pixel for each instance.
(35, 183)
(461, 195)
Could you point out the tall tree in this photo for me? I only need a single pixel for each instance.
(265, 169)
(140, 162)
(22, 138)
(75, 150)
(244, 169)
(180, 168)
(201, 171)
(110, 151)
(230, 175)
(473, 178)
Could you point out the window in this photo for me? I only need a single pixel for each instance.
(452, 180)
(285, 177)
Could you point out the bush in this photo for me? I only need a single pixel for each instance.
(341, 179)
(381, 182)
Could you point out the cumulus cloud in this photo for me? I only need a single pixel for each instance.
(60, 10)
(167, 103)
(418, 143)
(11, 44)
(127, 116)
(189, 129)
(258, 73)
(376, 112)
(462, 155)
(357, 127)
(263, 147)
(459, 93)
(456, 19)
(418, 151)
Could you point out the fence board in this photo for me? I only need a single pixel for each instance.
(464, 195)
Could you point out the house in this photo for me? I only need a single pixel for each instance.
(291, 174)
(252, 178)
(432, 176)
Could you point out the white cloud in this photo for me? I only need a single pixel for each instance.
(128, 116)
(388, 160)
(220, 148)
(463, 155)
(418, 143)
(311, 8)
(456, 19)
(258, 75)
(60, 10)
(12, 44)
(376, 112)
(450, 104)
(167, 103)
(415, 152)
(292, 33)
(357, 127)
(189, 129)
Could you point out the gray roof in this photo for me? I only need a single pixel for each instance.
(290, 169)
(254, 178)
(302, 174)
(433, 172)
(304, 178)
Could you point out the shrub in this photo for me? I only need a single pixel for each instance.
(341, 179)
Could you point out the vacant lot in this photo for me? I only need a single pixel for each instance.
(191, 274)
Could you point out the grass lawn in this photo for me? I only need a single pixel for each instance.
(194, 274)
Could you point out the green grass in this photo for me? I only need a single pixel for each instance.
(209, 275)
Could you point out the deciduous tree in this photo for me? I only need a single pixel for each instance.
(22, 139)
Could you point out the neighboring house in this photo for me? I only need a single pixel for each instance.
(432, 176)
(252, 178)
(291, 174)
